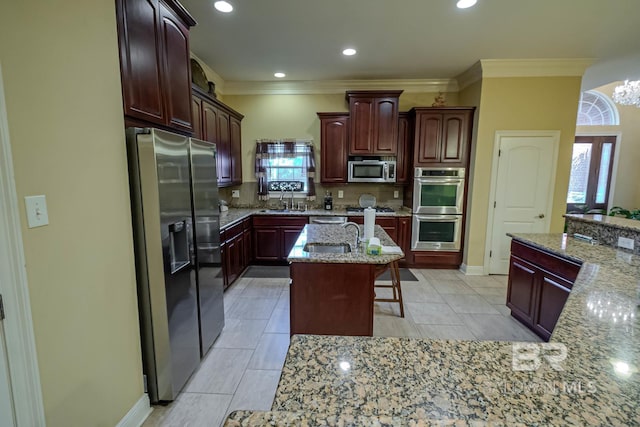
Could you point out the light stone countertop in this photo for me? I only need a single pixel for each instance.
(233, 215)
(403, 381)
(606, 220)
(335, 234)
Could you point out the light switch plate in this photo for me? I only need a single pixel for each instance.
(37, 215)
(623, 242)
(396, 194)
(340, 194)
(235, 194)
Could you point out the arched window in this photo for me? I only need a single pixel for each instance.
(596, 109)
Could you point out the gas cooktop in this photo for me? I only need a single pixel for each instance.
(377, 208)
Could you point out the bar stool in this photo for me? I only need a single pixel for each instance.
(395, 285)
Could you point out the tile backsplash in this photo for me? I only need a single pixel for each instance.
(384, 194)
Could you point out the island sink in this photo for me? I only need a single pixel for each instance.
(323, 248)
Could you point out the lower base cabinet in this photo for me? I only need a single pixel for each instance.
(538, 287)
(274, 237)
(437, 259)
(235, 250)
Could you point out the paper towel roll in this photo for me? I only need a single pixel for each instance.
(369, 222)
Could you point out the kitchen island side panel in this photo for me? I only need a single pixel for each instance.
(332, 299)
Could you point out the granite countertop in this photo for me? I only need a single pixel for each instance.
(609, 221)
(400, 381)
(233, 215)
(335, 234)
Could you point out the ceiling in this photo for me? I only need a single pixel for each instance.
(405, 39)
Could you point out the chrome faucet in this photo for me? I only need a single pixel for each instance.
(292, 205)
(282, 202)
(346, 224)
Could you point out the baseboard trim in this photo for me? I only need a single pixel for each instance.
(137, 414)
(472, 270)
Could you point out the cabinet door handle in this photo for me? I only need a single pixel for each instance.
(541, 216)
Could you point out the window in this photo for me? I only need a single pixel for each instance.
(285, 166)
(288, 173)
(591, 168)
(596, 109)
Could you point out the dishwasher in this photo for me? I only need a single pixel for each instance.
(327, 220)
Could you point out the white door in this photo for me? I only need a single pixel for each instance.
(523, 192)
(7, 417)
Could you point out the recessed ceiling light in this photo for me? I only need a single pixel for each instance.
(463, 4)
(280, 75)
(349, 52)
(223, 6)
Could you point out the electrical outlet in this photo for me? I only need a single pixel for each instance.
(623, 242)
(37, 215)
(235, 194)
(396, 194)
(340, 194)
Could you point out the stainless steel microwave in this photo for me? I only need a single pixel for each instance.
(372, 171)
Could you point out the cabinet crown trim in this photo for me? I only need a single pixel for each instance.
(181, 12)
(372, 93)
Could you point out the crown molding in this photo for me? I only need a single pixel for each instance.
(470, 76)
(534, 67)
(337, 86)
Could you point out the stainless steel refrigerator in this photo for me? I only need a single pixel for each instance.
(174, 198)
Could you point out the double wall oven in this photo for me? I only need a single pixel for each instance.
(438, 201)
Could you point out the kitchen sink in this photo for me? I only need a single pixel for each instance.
(274, 210)
(323, 248)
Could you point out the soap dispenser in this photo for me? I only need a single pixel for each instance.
(328, 201)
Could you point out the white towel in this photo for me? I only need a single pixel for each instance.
(389, 250)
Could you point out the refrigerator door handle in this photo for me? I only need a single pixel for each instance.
(176, 227)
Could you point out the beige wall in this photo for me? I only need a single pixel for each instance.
(62, 84)
(626, 191)
(535, 103)
(471, 96)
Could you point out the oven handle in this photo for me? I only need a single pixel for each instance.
(439, 218)
(440, 180)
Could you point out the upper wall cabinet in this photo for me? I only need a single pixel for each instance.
(334, 146)
(213, 121)
(374, 122)
(442, 136)
(403, 160)
(153, 37)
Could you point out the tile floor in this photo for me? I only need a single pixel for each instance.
(242, 369)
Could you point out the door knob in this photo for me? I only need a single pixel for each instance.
(541, 216)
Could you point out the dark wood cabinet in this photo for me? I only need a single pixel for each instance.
(215, 122)
(404, 165)
(538, 287)
(334, 147)
(274, 237)
(442, 136)
(235, 149)
(374, 122)
(332, 299)
(266, 244)
(223, 143)
(236, 246)
(153, 38)
(404, 238)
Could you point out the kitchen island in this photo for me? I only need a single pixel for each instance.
(332, 293)
(397, 381)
